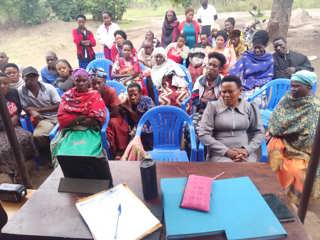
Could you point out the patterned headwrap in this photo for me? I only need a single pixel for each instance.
(80, 72)
(304, 77)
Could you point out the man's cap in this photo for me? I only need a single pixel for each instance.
(29, 70)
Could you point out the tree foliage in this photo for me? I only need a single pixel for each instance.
(31, 12)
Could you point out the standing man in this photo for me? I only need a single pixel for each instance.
(206, 16)
(287, 62)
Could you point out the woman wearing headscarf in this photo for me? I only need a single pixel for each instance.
(228, 52)
(168, 78)
(170, 30)
(255, 67)
(292, 129)
(81, 114)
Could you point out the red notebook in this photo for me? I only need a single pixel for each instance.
(197, 193)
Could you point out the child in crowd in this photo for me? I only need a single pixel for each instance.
(196, 60)
(64, 81)
(126, 68)
(85, 41)
(49, 73)
(212, 38)
(13, 73)
(178, 51)
(145, 53)
(204, 43)
(150, 37)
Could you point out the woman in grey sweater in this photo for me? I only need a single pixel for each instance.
(231, 128)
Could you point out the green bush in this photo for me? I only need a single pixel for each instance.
(116, 7)
(67, 10)
(33, 12)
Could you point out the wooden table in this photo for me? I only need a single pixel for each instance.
(11, 207)
(52, 215)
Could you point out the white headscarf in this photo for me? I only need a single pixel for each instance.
(158, 71)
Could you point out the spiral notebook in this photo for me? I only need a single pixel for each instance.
(117, 214)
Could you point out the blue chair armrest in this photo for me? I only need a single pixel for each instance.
(54, 132)
(103, 133)
(184, 103)
(23, 123)
(201, 156)
(264, 152)
(26, 123)
(258, 93)
(193, 155)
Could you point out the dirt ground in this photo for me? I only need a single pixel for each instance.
(27, 46)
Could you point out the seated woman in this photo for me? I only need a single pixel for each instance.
(292, 129)
(162, 65)
(126, 69)
(64, 81)
(255, 67)
(207, 86)
(133, 109)
(178, 51)
(8, 167)
(168, 77)
(118, 129)
(170, 30)
(228, 52)
(81, 114)
(117, 48)
(231, 128)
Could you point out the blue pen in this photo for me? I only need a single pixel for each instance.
(119, 213)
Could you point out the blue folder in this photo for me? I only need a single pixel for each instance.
(236, 209)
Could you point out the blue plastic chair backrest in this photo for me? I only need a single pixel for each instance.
(188, 77)
(276, 89)
(100, 55)
(167, 125)
(106, 64)
(119, 87)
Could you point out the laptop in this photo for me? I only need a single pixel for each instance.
(82, 174)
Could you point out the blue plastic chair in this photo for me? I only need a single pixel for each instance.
(119, 87)
(60, 91)
(106, 64)
(274, 90)
(100, 55)
(167, 123)
(26, 123)
(187, 77)
(103, 132)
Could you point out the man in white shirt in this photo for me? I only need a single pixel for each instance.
(105, 33)
(206, 16)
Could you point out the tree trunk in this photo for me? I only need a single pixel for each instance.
(280, 18)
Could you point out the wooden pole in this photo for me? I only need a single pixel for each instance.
(4, 113)
(311, 175)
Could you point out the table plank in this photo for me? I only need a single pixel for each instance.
(53, 215)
